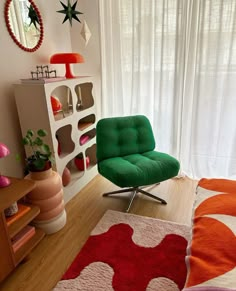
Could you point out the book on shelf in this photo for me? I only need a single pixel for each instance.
(42, 80)
(22, 210)
(22, 237)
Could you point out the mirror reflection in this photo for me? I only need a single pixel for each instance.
(24, 23)
(26, 31)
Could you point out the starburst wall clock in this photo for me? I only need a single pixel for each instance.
(70, 12)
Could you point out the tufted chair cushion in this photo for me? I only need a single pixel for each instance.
(123, 136)
(126, 156)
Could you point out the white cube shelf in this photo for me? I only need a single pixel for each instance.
(71, 131)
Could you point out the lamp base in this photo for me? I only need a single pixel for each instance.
(69, 74)
(4, 181)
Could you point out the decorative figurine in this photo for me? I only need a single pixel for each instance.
(43, 72)
(70, 12)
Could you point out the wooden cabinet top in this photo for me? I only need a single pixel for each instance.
(16, 190)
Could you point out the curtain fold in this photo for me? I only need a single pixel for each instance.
(174, 61)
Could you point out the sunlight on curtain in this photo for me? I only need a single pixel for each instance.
(175, 62)
(25, 32)
(16, 22)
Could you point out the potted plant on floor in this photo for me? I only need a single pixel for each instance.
(48, 192)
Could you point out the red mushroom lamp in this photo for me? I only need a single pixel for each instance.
(4, 151)
(67, 59)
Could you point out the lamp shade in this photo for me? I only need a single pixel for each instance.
(4, 151)
(67, 59)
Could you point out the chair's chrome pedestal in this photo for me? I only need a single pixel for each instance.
(134, 191)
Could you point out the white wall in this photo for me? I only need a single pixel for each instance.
(91, 51)
(17, 64)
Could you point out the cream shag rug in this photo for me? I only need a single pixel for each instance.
(127, 252)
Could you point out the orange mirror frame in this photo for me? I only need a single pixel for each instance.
(11, 32)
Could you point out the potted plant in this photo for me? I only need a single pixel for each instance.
(41, 158)
(48, 191)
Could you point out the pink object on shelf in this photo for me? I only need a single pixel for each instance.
(22, 237)
(83, 139)
(4, 181)
(4, 151)
(66, 177)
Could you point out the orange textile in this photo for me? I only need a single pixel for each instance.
(221, 185)
(211, 256)
(218, 204)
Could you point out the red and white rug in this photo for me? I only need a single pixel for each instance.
(127, 252)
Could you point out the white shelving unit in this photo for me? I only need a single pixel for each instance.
(71, 131)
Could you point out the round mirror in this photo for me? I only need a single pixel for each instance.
(24, 24)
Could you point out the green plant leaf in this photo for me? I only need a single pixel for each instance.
(37, 155)
(42, 132)
(46, 149)
(51, 159)
(30, 133)
(18, 158)
(26, 141)
(39, 164)
(41, 152)
(38, 141)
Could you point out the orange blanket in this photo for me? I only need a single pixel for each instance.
(211, 253)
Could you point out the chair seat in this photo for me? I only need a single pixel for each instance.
(139, 169)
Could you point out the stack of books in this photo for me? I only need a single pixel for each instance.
(42, 80)
(22, 237)
(22, 210)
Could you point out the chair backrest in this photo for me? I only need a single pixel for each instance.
(121, 136)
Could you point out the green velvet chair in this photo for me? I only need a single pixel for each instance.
(126, 156)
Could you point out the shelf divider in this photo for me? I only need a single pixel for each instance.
(20, 223)
(28, 246)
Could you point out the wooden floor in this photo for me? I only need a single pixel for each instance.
(50, 259)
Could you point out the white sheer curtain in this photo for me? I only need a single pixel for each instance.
(175, 62)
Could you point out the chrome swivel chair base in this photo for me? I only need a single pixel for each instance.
(135, 191)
